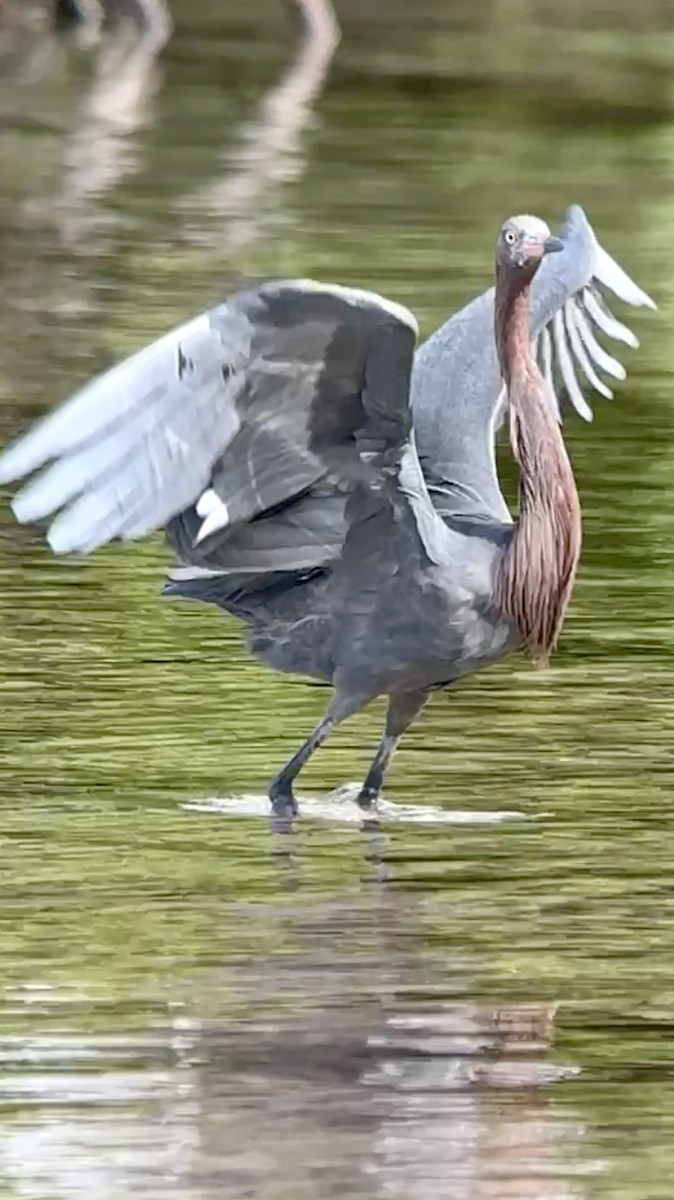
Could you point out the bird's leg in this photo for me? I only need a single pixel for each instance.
(402, 710)
(281, 790)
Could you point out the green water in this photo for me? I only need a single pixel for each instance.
(465, 1011)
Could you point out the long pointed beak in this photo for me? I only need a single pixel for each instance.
(552, 245)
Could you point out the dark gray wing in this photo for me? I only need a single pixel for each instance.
(225, 420)
(457, 394)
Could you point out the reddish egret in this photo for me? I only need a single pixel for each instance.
(533, 577)
(275, 439)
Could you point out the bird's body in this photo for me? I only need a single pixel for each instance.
(383, 611)
(276, 440)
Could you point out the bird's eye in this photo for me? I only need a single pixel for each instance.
(509, 237)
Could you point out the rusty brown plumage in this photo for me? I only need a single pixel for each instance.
(536, 574)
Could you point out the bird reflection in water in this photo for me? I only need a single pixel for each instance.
(286, 845)
(346, 1052)
(379, 1077)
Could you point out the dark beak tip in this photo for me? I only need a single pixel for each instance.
(552, 245)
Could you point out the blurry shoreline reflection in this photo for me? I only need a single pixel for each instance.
(269, 152)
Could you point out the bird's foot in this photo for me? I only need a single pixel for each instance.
(367, 798)
(283, 802)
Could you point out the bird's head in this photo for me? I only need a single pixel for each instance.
(522, 243)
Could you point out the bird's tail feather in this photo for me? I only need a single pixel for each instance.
(251, 597)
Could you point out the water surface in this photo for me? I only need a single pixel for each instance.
(475, 1006)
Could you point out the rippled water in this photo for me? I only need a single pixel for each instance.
(476, 1001)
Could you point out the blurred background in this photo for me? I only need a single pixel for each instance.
(474, 1005)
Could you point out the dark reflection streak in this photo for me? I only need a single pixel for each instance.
(284, 852)
(269, 154)
(284, 849)
(86, 15)
(376, 843)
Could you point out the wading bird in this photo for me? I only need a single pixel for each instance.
(339, 494)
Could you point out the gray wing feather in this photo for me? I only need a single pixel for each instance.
(133, 482)
(435, 536)
(241, 410)
(582, 340)
(604, 319)
(566, 367)
(91, 410)
(611, 275)
(306, 533)
(599, 355)
(575, 342)
(136, 444)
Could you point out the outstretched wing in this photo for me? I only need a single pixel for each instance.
(568, 348)
(457, 400)
(225, 418)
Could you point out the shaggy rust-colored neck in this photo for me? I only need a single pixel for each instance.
(537, 572)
